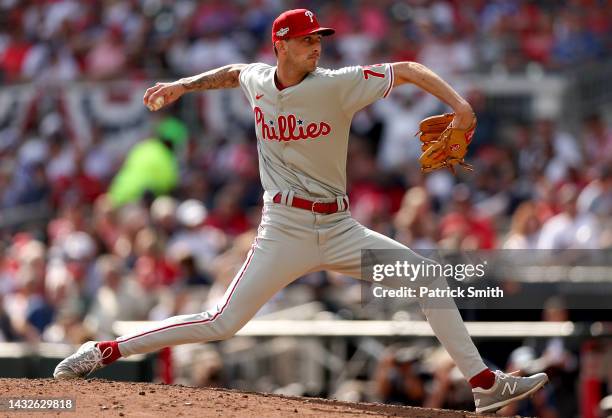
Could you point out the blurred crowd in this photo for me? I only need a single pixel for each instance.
(92, 232)
(68, 40)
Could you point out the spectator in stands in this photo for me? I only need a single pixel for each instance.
(105, 223)
(63, 294)
(596, 197)
(7, 332)
(119, 298)
(556, 357)
(78, 251)
(227, 215)
(207, 369)
(68, 329)
(414, 223)
(51, 64)
(27, 308)
(559, 149)
(488, 121)
(107, 58)
(225, 266)
(537, 40)
(14, 51)
(545, 198)
(29, 186)
(178, 300)
(401, 113)
(85, 187)
(30, 306)
(525, 228)
(150, 166)
(493, 190)
(605, 407)
(528, 161)
(597, 141)
(61, 159)
(448, 389)
(153, 267)
(574, 40)
(444, 50)
(555, 352)
(131, 220)
(188, 272)
(569, 229)
(192, 237)
(163, 215)
(397, 377)
(463, 227)
(356, 46)
(99, 159)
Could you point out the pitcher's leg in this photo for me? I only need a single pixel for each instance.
(343, 254)
(230, 314)
(278, 257)
(267, 269)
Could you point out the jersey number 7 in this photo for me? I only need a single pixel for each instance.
(367, 72)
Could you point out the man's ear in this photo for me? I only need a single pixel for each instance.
(280, 46)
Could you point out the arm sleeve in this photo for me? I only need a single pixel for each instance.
(246, 78)
(363, 85)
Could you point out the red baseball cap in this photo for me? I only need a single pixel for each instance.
(297, 22)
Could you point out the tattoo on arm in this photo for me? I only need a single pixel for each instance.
(219, 78)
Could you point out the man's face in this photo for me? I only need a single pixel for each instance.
(303, 53)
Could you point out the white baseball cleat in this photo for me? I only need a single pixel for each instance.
(86, 360)
(506, 389)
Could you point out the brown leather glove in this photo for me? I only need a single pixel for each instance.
(442, 144)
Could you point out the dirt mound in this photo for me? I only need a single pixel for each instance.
(97, 397)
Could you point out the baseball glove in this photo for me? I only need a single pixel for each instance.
(442, 144)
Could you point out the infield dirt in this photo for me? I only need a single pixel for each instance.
(97, 398)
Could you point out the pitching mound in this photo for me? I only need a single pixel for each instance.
(107, 398)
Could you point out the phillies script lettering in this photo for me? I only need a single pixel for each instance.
(288, 128)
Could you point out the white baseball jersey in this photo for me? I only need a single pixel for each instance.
(303, 130)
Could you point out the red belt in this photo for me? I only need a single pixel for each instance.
(312, 205)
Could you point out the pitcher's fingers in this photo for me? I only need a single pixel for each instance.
(159, 93)
(147, 97)
(148, 94)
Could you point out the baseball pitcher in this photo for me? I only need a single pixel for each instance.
(302, 119)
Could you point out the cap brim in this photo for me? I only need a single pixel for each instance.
(319, 31)
(325, 31)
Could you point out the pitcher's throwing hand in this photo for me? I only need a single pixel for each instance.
(162, 94)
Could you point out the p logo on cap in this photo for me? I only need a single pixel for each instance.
(297, 22)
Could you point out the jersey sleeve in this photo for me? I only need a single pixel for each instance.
(247, 78)
(363, 85)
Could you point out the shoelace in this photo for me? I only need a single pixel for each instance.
(92, 361)
(504, 376)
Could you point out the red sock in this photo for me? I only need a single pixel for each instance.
(110, 351)
(485, 379)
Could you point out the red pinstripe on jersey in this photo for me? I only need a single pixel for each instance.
(391, 80)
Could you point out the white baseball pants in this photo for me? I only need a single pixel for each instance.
(290, 243)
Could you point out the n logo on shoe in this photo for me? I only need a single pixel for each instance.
(510, 389)
(477, 402)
